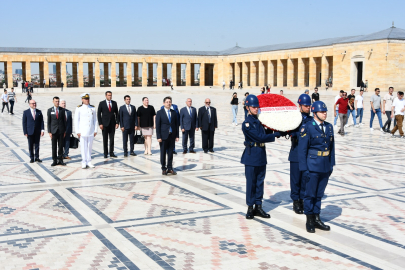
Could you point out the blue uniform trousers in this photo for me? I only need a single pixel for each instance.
(315, 188)
(254, 184)
(297, 182)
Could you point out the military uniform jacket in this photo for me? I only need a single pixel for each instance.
(255, 133)
(313, 144)
(295, 136)
(86, 120)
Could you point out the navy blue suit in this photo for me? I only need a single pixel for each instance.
(128, 122)
(255, 159)
(188, 122)
(176, 109)
(296, 183)
(167, 130)
(316, 154)
(68, 132)
(32, 128)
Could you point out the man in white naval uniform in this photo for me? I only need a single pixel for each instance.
(86, 128)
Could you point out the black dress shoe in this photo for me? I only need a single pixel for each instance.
(38, 160)
(164, 172)
(258, 211)
(112, 155)
(192, 152)
(212, 151)
(297, 207)
(62, 163)
(54, 163)
(320, 225)
(249, 214)
(31, 161)
(310, 225)
(174, 152)
(171, 172)
(205, 152)
(184, 152)
(133, 154)
(125, 155)
(105, 156)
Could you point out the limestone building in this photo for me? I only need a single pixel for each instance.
(378, 57)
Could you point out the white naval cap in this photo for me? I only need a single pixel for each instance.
(85, 95)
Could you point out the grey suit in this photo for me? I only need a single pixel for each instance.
(188, 122)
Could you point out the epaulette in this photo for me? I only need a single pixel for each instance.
(79, 105)
(91, 105)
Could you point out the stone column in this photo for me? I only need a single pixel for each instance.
(144, 74)
(97, 74)
(270, 73)
(27, 70)
(215, 77)
(253, 74)
(46, 73)
(280, 73)
(312, 72)
(301, 73)
(261, 73)
(324, 70)
(106, 75)
(150, 74)
(188, 74)
(290, 73)
(9, 73)
(245, 74)
(91, 74)
(24, 71)
(81, 78)
(129, 74)
(237, 74)
(174, 74)
(41, 74)
(159, 82)
(202, 74)
(121, 73)
(113, 74)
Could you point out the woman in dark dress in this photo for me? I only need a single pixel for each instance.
(147, 122)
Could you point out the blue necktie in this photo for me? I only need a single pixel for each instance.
(209, 115)
(170, 120)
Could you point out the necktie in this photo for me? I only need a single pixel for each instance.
(33, 114)
(209, 115)
(109, 106)
(323, 131)
(170, 120)
(189, 111)
(57, 115)
(129, 110)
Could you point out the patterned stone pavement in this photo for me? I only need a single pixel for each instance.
(124, 215)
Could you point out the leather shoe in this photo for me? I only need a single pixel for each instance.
(112, 155)
(133, 154)
(205, 152)
(297, 207)
(184, 152)
(164, 172)
(258, 211)
(105, 156)
(31, 161)
(54, 163)
(212, 151)
(310, 225)
(249, 214)
(61, 163)
(125, 155)
(192, 152)
(319, 224)
(171, 172)
(38, 160)
(174, 152)
(66, 158)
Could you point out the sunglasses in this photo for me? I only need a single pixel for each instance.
(207, 102)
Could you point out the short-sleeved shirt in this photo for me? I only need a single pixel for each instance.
(376, 101)
(388, 101)
(234, 101)
(146, 116)
(11, 96)
(315, 96)
(336, 99)
(399, 104)
(359, 101)
(342, 105)
(351, 101)
(4, 98)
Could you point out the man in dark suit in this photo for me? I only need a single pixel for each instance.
(176, 109)
(189, 125)
(57, 131)
(167, 133)
(33, 127)
(207, 120)
(69, 122)
(108, 119)
(128, 123)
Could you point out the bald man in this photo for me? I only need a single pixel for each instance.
(207, 120)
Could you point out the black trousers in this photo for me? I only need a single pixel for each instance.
(57, 144)
(108, 132)
(389, 119)
(33, 141)
(186, 134)
(5, 104)
(11, 106)
(125, 134)
(208, 139)
(167, 146)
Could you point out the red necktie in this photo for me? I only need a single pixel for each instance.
(109, 106)
(57, 115)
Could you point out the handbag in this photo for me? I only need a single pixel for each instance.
(138, 138)
(74, 142)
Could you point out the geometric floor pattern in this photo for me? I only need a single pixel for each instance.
(124, 214)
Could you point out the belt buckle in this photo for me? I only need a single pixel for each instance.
(319, 153)
(326, 153)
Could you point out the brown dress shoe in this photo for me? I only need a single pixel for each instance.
(164, 172)
(67, 158)
(171, 172)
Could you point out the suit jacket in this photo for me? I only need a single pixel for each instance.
(163, 125)
(203, 118)
(128, 121)
(105, 117)
(188, 122)
(56, 124)
(176, 109)
(69, 122)
(31, 126)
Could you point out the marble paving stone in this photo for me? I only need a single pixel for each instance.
(18, 173)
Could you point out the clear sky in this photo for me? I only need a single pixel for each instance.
(189, 25)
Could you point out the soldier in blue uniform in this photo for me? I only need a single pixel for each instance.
(254, 157)
(316, 154)
(297, 183)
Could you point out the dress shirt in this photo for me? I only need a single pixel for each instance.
(129, 109)
(189, 110)
(108, 103)
(321, 126)
(33, 112)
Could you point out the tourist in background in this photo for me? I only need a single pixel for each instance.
(366, 85)
(4, 100)
(240, 85)
(281, 93)
(337, 107)
(315, 95)
(386, 108)
(29, 96)
(343, 105)
(223, 85)
(234, 104)
(398, 109)
(351, 108)
(359, 103)
(330, 81)
(262, 90)
(12, 98)
(268, 89)
(244, 107)
(375, 102)
(147, 122)
(306, 91)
